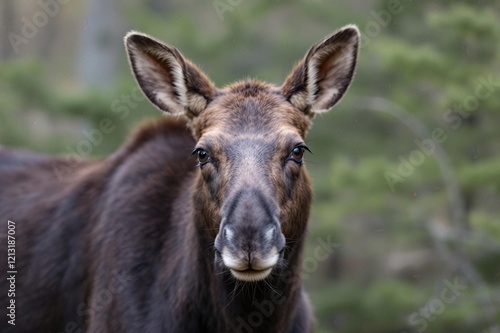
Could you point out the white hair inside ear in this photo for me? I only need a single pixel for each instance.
(170, 81)
(321, 79)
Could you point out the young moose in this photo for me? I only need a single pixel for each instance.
(144, 241)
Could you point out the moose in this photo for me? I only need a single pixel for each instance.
(196, 224)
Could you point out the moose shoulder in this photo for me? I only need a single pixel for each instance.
(150, 240)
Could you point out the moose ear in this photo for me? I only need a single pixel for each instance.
(170, 81)
(318, 81)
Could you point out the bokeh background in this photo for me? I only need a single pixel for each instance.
(406, 169)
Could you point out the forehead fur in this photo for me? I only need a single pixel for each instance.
(251, 107)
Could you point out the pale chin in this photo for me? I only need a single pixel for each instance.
(251, 275)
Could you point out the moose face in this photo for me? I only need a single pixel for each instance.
(252, 192)
(251, 155)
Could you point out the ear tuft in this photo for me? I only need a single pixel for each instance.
(170, 82)
(319, 81)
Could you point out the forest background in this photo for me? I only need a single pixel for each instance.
(406, 169)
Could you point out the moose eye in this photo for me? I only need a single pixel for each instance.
(297, 154)
(203, 156)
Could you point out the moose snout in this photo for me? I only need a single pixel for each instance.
(250, 242)
(250, 253)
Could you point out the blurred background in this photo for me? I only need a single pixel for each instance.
(406, 169)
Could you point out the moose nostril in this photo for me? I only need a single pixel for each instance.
(271, 234)
(228, 233)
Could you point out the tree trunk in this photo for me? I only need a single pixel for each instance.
(101, 44)
(6, 21)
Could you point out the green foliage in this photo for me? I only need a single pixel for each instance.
(486, 173)
(433, 69)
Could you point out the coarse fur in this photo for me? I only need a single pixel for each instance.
(153, 240)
